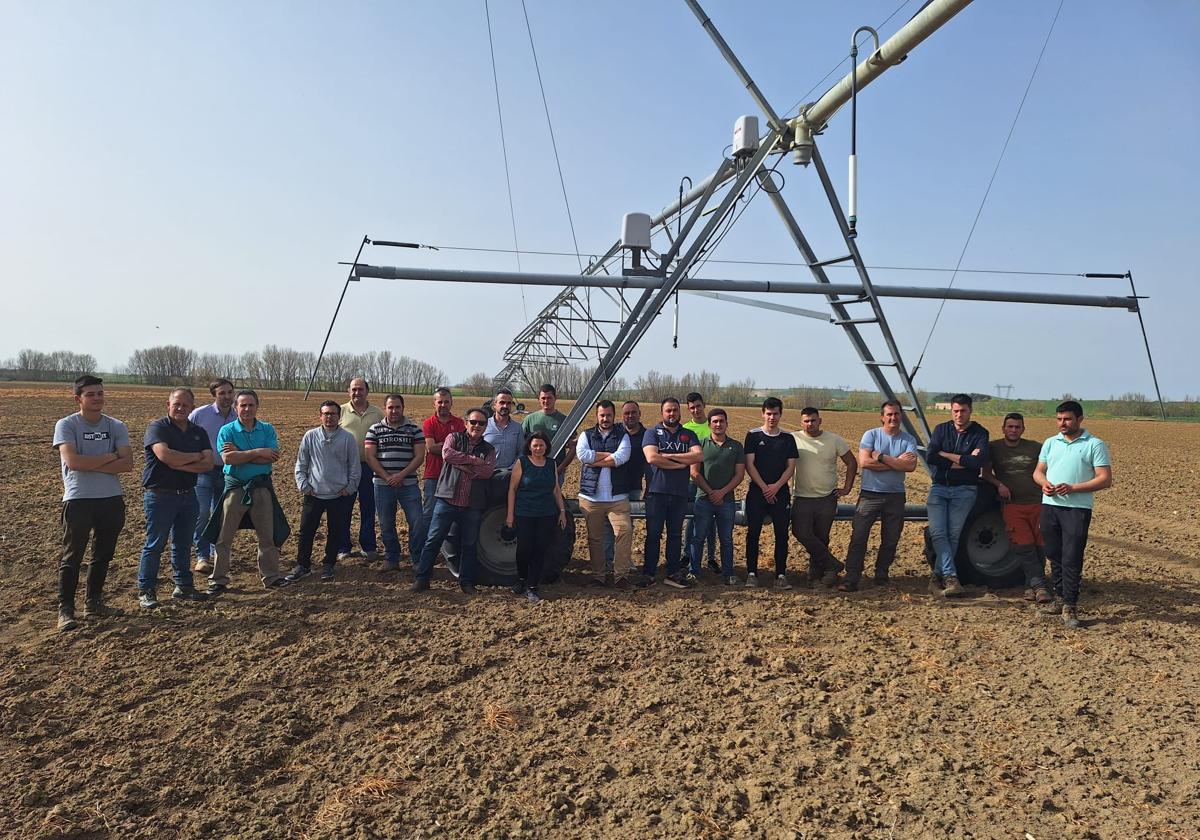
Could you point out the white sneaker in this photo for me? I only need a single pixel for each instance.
(751, 580)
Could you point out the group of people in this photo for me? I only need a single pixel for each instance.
(208, 473)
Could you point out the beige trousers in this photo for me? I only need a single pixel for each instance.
(262, 515)
(617, 514)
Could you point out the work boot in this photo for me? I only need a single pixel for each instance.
(188, 593)
(98, 609)
(935, 585)
(1053, 607)
(1042, 596)
(953, 588)
(1070, 617)
(66, 619)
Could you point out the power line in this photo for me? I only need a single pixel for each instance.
(992, 180)
(504, 150)
(553, 143)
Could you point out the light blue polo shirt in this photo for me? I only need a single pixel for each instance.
(262, 437)
(1073, 462)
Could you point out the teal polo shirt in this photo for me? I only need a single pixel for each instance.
(1073, 462)
(262, 437)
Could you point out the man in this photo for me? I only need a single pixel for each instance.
(1072, 466)
(395, 451)
(1011, 462)
(249, 447)
(178, 451)
(468, 462)
(436, 428)
(957, 451)
(93, 449)
(670, 452)
(327, 473)
(699, 424)
(548, 420)
(716, 477)
(603, 453)
(816, 491)
(358, 416)
(210, 485)
(770, 460)
(503, 433)
(635, 472)
(885, 454)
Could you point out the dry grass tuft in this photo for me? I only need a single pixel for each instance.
(496, 716)
(337, 807)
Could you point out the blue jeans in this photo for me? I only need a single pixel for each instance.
(366, 514)
(407, 497)
(948, 508)
(709, 518)
(669, 511)
(445, 515)
(209, 487)
(169, 516)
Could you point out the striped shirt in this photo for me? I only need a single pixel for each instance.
(394, 447)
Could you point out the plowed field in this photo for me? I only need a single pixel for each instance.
(355, 709)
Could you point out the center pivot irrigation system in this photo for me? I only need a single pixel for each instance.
(565, 331)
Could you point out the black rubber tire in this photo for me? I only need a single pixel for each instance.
(984, 556)
(496, 557)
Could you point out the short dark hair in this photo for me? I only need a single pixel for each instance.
(607, 404)
(666, 400)
(716, 412)
(246, 392)
(630, 402)
(86, 381)
(217, 383)
(500, 391)
(365, 383)
(538, 435)
(894, 403)
(962, 399)
(442, 391)
(808, 411)
(548, 389)
(394, 397)
(1071, 406)
(1014, 415)
(471, 411)
(772, 402)
(333, 403)
(695, 396)
(184, 390)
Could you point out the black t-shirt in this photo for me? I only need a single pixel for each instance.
(637, 458)
(158, 475)
(771, 455)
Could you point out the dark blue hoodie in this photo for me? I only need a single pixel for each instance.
(946, 438)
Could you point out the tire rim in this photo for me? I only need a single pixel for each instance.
(988, 548)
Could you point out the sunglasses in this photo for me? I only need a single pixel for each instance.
(476, 422)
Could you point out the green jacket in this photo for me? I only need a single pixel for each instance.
(212, 531)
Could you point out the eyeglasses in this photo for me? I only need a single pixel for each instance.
(476, 422)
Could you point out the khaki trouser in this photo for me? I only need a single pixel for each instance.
(262, 514)
(617, 515)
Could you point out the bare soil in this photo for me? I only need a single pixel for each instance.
(358, 710)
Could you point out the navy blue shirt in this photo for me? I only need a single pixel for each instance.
(158, 475)
(946, 438)
(677, 442)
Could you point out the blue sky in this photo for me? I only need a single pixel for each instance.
(193, 173)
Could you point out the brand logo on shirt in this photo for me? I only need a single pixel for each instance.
(95, 435)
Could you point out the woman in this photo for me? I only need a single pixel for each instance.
(533, 499)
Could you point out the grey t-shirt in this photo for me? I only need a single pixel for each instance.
(100, 438)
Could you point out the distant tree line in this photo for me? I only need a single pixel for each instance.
(58, 366)
(272, 368)
(569, 381)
